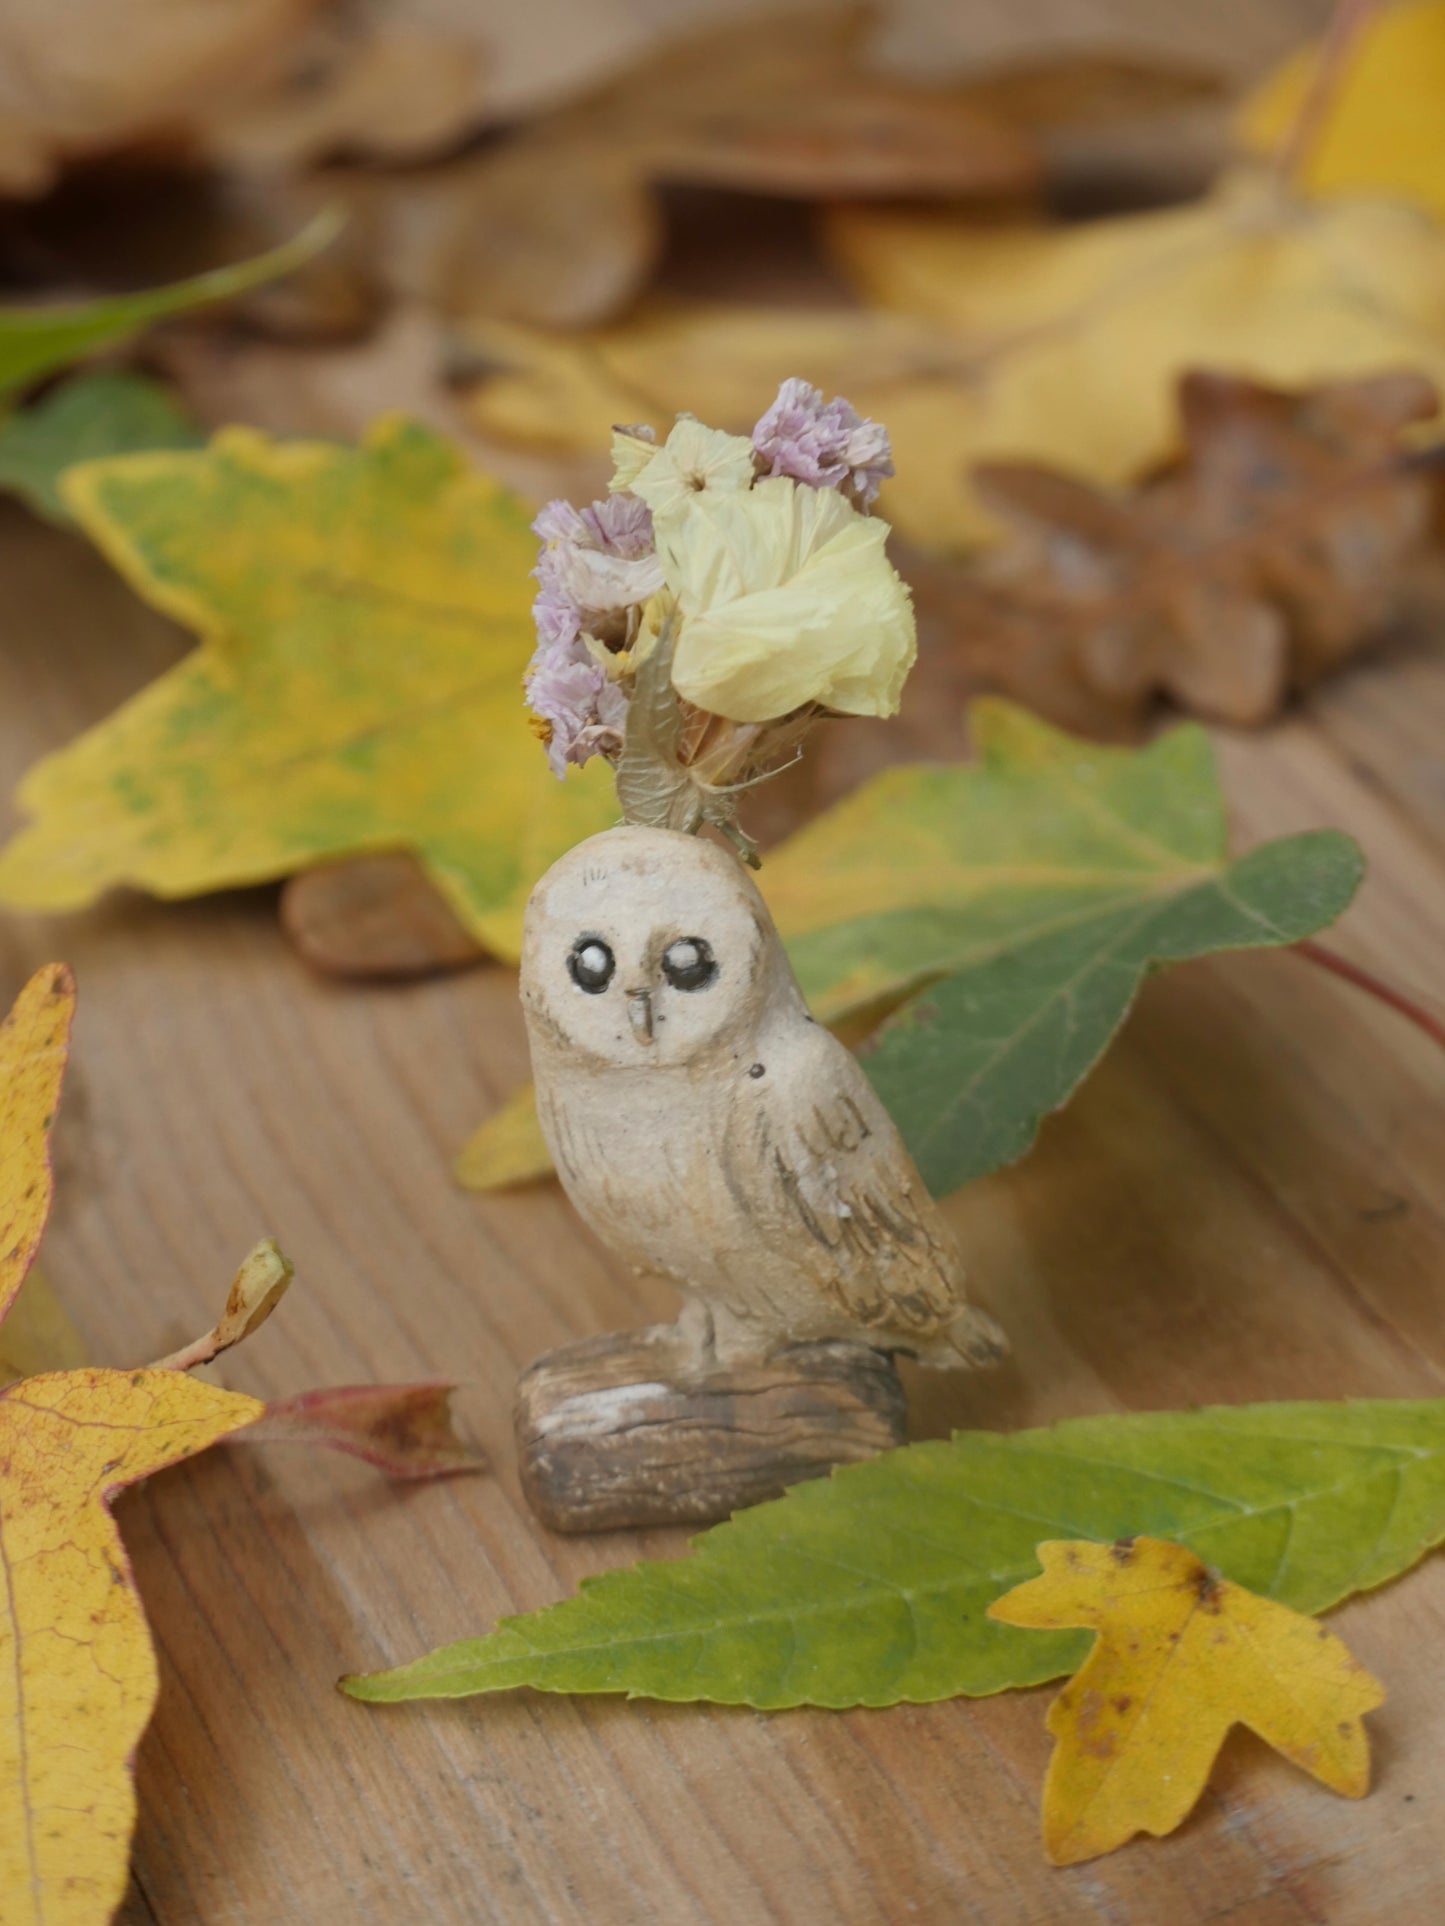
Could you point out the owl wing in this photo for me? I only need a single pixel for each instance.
(877, 1245)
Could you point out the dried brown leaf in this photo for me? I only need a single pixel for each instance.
(360, 80)
(1268, 553)
(95, 75)
(260, 84)
(799, 109)
(561, 226)
(404, 1430)
(547, 229)
(924, 35)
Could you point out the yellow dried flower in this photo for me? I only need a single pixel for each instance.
(694, 460)
(787, 597)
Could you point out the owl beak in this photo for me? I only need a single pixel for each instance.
(639, 1014)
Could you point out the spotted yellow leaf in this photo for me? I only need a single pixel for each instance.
(1182, 1656)
(34, 1045)
(78, 1674)
(364, 621)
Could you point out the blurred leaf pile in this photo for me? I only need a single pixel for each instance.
(555, 222)
(1158, 335)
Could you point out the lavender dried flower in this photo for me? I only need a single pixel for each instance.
(826, 444)
(596, 567)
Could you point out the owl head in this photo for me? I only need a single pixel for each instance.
(646, 947)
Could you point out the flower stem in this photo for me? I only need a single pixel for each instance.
(1331, 69)
(1425, 1020)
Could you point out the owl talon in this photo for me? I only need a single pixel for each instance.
(697, 1334)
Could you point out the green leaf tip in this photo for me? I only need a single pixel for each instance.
(33, 341)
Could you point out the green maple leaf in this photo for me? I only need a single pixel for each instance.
(872, 1587)
(1009, 910)
(86, 419)
(1006, 911)
(34, 341)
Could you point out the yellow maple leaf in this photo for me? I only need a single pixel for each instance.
(364, 616)
(1016, 342)
(34, 1044)
(1381, 131)
(1182, 1656)
(77, 1671)
(78, 1676)
(1082, 333)
(38, 1333)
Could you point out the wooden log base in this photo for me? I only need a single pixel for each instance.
(626, 1430)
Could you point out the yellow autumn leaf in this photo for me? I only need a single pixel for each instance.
(1021, 343)
(364, 622)
(564, 392)
(78, 1674)
(507, 1149)
(35, 1332)
(38, 1333)
(77, 1671)
(1182, 1656)
(1082, 333)
(1382, 130)
(34, 1044)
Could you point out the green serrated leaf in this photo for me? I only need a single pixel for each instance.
(93, 416)
(871, 1588)
(34, 341)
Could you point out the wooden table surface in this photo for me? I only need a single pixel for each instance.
(1246, 1201)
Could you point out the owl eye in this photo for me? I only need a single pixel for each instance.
(688, 963)
(591, 964)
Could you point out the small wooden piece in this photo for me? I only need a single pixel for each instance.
(626, 1430)
(375, 916)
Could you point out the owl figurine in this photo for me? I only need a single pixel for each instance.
(710, 1131)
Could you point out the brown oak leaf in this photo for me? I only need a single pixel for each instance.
(1269, 551)
(561, 225)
